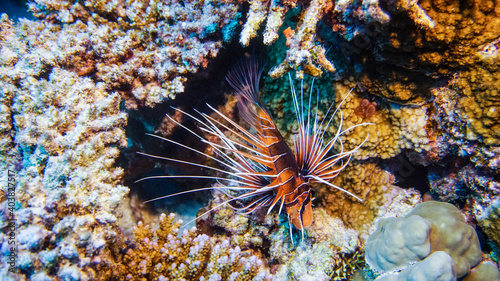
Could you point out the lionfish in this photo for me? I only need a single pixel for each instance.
(259, 165)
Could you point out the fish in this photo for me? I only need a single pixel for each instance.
(261, 170)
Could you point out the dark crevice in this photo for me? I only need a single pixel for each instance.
(207, 86)
(407, 174)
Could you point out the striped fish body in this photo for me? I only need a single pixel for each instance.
(292, 189)
(259, 165)
(289, 187)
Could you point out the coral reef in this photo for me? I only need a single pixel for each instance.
(66, 132)
(376, 187)
(438, 90)
(393, 128)
(436, 228)
(164, 255)
(141, 49)
(244, 231)
(425, 76)
(472, 165)
(329, 250)
(461, 48)
(348, 18)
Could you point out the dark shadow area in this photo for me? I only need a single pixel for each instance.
(207, 86)
(407, 174)
(16, 9)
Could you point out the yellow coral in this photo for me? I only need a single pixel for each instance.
(375, 186)
(489, 219)
(480, 103)
(394, 127)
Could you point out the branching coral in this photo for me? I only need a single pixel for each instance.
(344, 17)
(142, 49)
(162, 254)
(302, 48)
(67, 131)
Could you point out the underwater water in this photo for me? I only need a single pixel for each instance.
(249, 140)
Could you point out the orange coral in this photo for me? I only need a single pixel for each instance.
(366, 109)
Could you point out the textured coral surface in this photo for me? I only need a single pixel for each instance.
(430, 227)
(415, 83)
(67, 134)
(142, 49)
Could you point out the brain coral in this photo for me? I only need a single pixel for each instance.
(429, 228)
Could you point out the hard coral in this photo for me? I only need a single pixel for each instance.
(65, 139)
(376, 187)
(432, 227)
(162, 253)
(320, 255)
(245, 232)
(436, 267)
(486, 270)
(302, 48)
(304, 51)
(488, 216)
(460, 47)
(394, 127)
(142, 49)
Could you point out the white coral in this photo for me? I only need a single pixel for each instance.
(431, 227)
